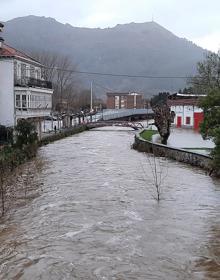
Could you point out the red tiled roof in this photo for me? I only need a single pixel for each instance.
(7, 51)
(120, 93)
(117, 93)
(182, 102)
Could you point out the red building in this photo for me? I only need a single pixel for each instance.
(187, 112)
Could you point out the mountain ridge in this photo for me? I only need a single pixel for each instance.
(133, 48)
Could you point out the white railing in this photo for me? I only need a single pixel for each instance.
(33, 113)
(110, 114)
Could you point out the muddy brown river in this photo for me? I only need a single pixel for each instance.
(95, 216)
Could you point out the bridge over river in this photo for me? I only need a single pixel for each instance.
(133, 125)
(120, 117)
(127, 114)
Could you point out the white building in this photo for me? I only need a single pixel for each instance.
(23, 91)
(187, 112)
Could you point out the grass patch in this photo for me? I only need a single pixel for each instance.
(147, 134)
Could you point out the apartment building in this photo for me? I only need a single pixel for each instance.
(116, 100)
(24, 93)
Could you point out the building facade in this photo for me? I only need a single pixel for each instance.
(187, 112)
(24, 93)
(117, 100)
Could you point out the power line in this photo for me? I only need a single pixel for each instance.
(117, 75)
(128, 76)
(106, 88)
(122, 75)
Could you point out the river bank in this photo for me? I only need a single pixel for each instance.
(144, 142)
(60, 134)
(12, 158)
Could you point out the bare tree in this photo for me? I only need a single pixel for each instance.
(49, 60)
(157, 175)
(64, 83)
(163, 118)
(208, 77)
(60, 70)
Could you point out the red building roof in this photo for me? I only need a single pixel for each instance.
(178, 99)
(121, 93)
(8, 51)
(183, 102)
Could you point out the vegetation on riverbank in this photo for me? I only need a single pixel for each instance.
(24, 148)
(147, 134)
(210, 127)
(207, 81)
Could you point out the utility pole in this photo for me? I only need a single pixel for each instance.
(91, 93)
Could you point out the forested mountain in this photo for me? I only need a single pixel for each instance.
(133, 49)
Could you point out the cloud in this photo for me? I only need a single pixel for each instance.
(95, 19)
(190, 19)
(210, 41)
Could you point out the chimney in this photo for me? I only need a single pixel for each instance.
(1, 39)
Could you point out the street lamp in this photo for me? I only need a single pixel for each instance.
(91, 93)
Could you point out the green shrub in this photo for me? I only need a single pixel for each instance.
(25, 133)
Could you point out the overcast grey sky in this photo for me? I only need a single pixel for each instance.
(196, 20)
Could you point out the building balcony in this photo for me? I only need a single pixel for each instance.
(32, 113)
(32, 82)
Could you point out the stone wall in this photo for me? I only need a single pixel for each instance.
(49, 138)
(181, 155)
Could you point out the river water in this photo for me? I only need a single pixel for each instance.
(95, 216)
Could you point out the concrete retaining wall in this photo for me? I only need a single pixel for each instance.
(181, 155)
(49, 138)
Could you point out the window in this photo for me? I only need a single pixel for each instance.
(122, 102)
(179, 109)
(189, 108)
(28, 101)
(38, 73)
(32, 72)
(135, 101)
(116, 102)
(15, 69)
(18, 101)
(188, 120)
(23, 70)
(24, 101)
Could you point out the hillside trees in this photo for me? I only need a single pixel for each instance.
(186, 90)
(152, 50)
(208, 76)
